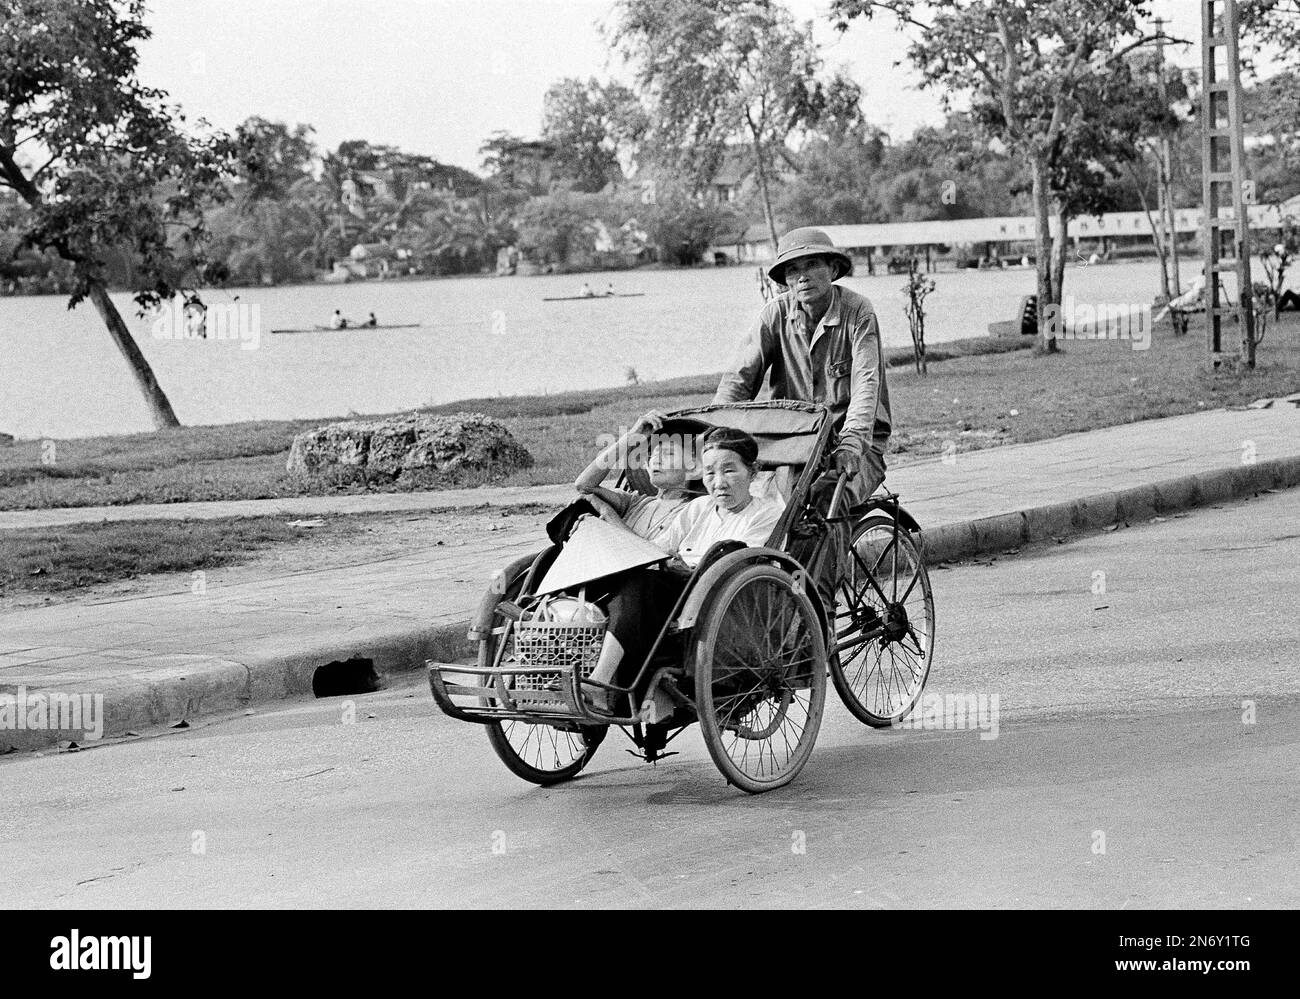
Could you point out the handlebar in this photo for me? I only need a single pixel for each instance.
(840, 485)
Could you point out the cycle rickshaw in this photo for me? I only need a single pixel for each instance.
(747, 647)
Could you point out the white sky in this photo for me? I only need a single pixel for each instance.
(439, 76)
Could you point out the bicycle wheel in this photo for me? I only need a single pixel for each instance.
(543, 754)
(540, 754)
(760, 677)
(884, 624)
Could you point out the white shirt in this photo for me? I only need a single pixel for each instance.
(702, 522)
(647, 516)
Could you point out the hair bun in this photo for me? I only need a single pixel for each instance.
(733, 440)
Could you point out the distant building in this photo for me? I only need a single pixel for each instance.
(983, 238)
(371, 260)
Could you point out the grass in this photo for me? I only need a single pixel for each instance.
(51, 560)
(967, 398)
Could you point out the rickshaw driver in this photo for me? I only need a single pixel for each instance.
(820, 343)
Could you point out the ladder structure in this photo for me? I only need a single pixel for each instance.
(1225, 189)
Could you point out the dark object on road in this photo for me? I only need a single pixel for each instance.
(351, 676)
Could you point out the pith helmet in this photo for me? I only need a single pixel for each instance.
(808, 242)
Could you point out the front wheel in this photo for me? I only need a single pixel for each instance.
(542, 754)
(760, 677)
(884, 624)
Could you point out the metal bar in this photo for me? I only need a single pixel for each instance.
(1245, 290)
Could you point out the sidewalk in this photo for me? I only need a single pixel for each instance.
(161, 659)
(304, 506)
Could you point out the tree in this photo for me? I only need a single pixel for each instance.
(589, 125)
(681, 223)
(728, 71)
(1023, 65)
(838, 182)
(272, 158)
(105, 165)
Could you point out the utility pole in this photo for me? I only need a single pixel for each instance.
(1226, 197)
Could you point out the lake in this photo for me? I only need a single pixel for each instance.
(61, 376)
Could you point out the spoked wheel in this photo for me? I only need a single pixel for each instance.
(884, 624)
(540, 754)
(760, 678)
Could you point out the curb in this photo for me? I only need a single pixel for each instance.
(190, 686)
(953, 542)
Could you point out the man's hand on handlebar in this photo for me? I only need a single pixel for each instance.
(846, 462)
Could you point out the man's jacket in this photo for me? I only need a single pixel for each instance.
(841, 365)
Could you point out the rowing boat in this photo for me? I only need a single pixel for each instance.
(351, 329)
(583, 298)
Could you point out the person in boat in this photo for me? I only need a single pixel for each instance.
(642, 599)
(196, 316)
(372, 321)
(609, 290)
(585, 291)
(337, 322)
(672, 465)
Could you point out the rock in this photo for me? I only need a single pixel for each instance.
(6, 440)
(412, 450)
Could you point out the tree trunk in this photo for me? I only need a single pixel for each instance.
(1167, 183)
(1058, 255)
(1157, 230)
(159, 408)
(762, 190)
(1047, 316)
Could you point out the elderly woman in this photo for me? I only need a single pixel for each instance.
(643, 599)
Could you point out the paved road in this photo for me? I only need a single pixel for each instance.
(1121, 726)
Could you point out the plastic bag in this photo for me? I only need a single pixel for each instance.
(569, 610)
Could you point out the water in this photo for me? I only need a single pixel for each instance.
(61, 376)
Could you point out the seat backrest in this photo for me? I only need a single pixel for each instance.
(786, 430)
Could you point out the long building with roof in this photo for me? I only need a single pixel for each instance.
(984, 238)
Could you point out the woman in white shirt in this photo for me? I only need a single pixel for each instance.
(644, 598)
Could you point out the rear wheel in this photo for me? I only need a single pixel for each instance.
(540, 754)
(885, 631)
(760, 677)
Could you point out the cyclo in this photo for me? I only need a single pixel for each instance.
(746, 649)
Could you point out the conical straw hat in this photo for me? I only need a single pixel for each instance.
(597, 549)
